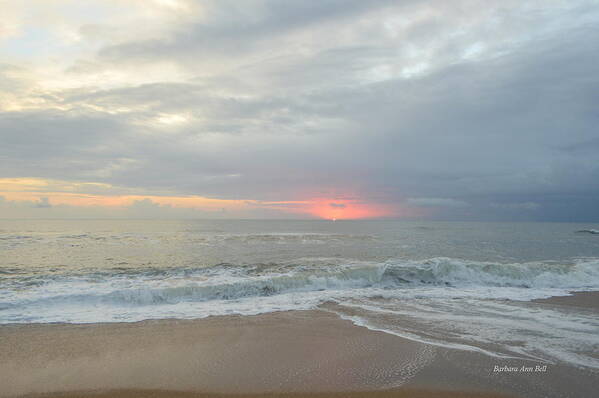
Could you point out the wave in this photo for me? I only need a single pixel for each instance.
(236, 282)
(453, 272)
(286, 238)
(589, 231)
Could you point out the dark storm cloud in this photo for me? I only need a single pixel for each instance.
(289, 100)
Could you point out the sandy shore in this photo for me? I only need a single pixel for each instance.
(589, 300)
(299, 353)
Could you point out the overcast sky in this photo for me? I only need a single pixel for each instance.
(473, 110)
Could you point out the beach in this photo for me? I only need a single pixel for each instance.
(293, 353)
(153, 308)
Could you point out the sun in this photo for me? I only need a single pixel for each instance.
(346, 209)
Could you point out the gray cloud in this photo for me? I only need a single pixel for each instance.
(337, 205)
(436, 202)
(139, 209)
(523, 205)
(410, 102)
(44, 202)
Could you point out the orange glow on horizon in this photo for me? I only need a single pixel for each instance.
(81, 194)
(338, 209)
(347, 210)
(92, 194)
(90, 200)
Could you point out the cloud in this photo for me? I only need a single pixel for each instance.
(436, 202)
(43, 202)
(143, 208)
(416, 103)
(517, 206)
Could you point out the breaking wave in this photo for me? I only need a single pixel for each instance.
(437, 271)
(589, 231)
(236, 282)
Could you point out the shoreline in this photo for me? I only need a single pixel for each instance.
(584, 299)
(578, 299)
(311, 353)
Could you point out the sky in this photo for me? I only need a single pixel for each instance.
(329, 109)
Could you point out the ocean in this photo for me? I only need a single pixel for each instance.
(468, 286)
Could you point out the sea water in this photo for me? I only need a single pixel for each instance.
(460, 285)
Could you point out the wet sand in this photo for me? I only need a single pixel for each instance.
(589, 300)
(286, 354)
(407, 393)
